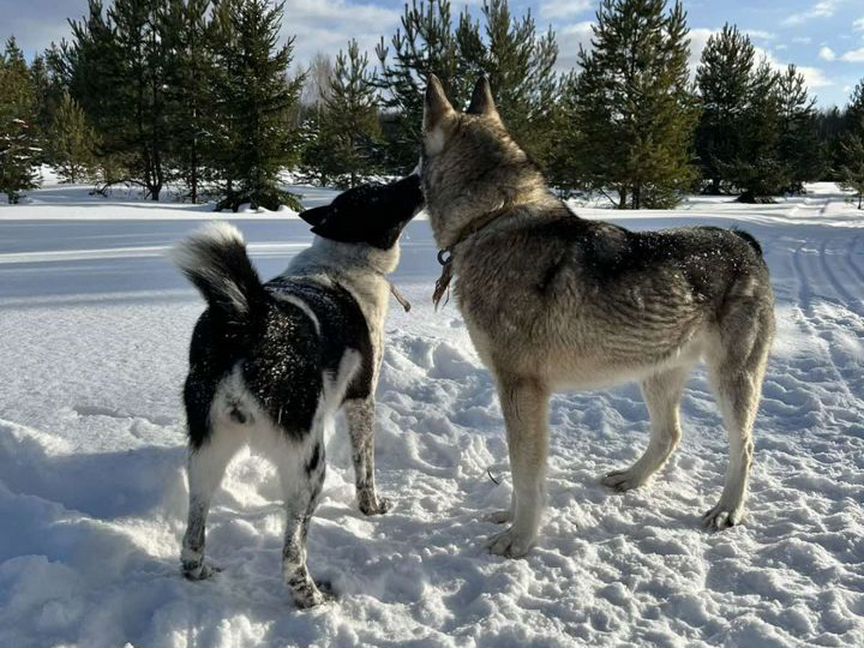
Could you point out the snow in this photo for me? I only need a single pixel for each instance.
(94, 325)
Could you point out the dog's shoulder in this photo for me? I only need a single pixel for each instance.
(560, 237)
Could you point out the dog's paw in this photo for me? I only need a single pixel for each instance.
(199, 570)
(722, 517)
(327, 590)
(499, 517)
(510, 544)
(622, 480)
(375, 505)
(311, 596)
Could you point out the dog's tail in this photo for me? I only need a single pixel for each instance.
(215, 260)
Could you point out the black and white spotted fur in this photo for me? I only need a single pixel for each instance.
(270, 364)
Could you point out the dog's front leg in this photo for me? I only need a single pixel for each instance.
(525, 404)
(301, 485)
(361, 426)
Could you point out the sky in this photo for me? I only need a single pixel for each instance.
(824, 38)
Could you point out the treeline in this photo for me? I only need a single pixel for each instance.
(154, 93)
(198, 95)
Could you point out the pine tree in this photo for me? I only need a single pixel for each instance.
(855, 109)
(631, 102)
(255, 104)
(185, 31)
(96, 75)
(830, 128)
(723, 79)
(349, 141)
(117, 66)
(519, 63)
(798, 142)
(142, 91)
(426, 43)
(564, 161)
(72, 142)
(851, 171)
(20, 154)
(47, 95)
(758, 132)
(758, 171)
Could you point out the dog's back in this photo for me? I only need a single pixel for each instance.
(587, 303)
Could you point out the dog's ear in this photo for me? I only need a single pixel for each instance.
(436, 106)
(482, 102)
(315, 216)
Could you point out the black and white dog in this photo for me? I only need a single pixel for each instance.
(270, 364)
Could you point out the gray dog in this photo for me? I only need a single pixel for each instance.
(555, 302)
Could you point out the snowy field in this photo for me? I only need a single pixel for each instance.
(94, 326)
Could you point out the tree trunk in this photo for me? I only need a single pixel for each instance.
(715, 186)
(193, 178)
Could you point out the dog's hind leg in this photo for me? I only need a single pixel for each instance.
(525, 404)
(301, 471)
(361, 426)
(206, 467)
(737, 370)
(662, 393)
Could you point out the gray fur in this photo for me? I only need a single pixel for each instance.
(555, 302)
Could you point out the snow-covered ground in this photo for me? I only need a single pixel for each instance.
(94, 325)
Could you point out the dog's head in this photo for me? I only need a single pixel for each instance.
(370, 214)
(470, 164)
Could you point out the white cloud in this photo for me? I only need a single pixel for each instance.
(822, 9)
(827, 54)
(562, 8)
(759, 34)
(815, 77)
(858, 25)
(570, 38)
(327, 26)
(698, 40)
(854, 56)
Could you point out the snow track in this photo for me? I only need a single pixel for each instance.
(94, 327)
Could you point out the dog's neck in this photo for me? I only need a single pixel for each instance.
(360, 269)
(451, 226)
(457, 210)
(331, 257)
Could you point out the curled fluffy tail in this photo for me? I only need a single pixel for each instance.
(215, 260)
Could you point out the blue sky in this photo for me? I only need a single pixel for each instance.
(825, 38)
